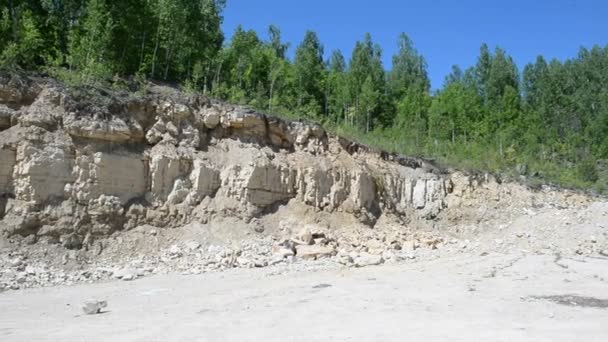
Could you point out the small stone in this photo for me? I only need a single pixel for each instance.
(284, 252)
(193, 245)
(313, 252)
(16, 262)
(30, 239)
(244, 262)
(71, 241)
(260, 263)
(30, 270)
(390, 256)
(175, 251)
(126, 274)
(128, 277)
(320, 241)
(409, 245)
(97, 248)
(374, 247)
(92, 307)
(366, 259)
(305, 236)
(8, 273)
(276, 261)
(374, 244)
(345, 259)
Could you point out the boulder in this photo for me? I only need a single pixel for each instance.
(211, 117)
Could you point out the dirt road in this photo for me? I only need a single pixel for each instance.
(465, 298)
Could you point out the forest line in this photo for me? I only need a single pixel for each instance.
(548, 121)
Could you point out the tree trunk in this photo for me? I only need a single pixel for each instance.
(11, 9)
(417, 127)
(327, 100)
(63, 35)
(500, 147)
(217, 74)
(205, 80)
(143, 47)
(123, 55)
(155, 51)
(168, 56)
(271, 95)
(300, 92)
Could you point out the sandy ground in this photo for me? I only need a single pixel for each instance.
(463, 298)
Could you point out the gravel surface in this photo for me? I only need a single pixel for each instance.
(498, 297)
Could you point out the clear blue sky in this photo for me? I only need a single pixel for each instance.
(446, 32)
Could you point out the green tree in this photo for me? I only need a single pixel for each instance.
(503, 75)
(409, 70)
(187, 33)
(309, 73)
(368, 101)
(366, 62)
(410, 86)
(456, 76)
(455, 112)
(90, 45)
(481, 71)
(279, 67)
(62, 17)
(277, 45)
(26, 50)
(337, 87)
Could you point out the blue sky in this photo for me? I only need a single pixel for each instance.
(446, 32)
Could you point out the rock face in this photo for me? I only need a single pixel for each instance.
(73, 169)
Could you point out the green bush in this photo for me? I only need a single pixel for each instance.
(588, 171)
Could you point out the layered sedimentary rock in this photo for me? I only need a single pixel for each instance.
(73, 168)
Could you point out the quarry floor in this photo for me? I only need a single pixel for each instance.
(494, 297)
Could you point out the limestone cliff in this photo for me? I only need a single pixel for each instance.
(78, 165)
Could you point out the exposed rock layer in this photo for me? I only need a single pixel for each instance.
(74, 167)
